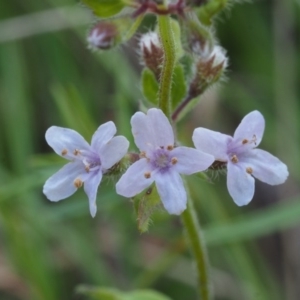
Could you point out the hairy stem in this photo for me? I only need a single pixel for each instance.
(168, 44)
(132, 30)
(197, 244)
(180, 107)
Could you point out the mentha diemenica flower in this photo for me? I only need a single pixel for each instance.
(242, 158)
(87, 163)
(160, 161)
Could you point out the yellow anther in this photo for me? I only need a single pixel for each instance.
(143, 154)
(78, 183)
(76, 152)
(245, 141)
(234, 159)
(147, 175)
(249, 170)
(170, 147)
(64, 152)
(174, 160)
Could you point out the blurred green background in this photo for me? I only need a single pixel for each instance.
(49, 77)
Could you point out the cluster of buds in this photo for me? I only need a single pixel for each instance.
(209, 68)
(103, 35)
(151, 52)
(209, 59)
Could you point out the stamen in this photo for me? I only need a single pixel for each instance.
(174, 160)
(249, 170)
(245, 141)
(170, 147)
(143, 154)
(234, 159)
(87, 168)
(147, 175)
(76, 152)
(78, 182)
(64, 152)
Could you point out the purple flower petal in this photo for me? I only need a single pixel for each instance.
(65, 141)
(91, 188)
(152, 130)
(266, 167)
(113, 151)
(142, 132)
(134, 181)
(251, 128)
(103, 134)
(240, 184)
(61, 185)
(162, 129)
(190, 160)
(212, 142)
(172, 192)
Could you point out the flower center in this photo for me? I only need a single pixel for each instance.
(90, 160)
(91, 165)
(162, 159)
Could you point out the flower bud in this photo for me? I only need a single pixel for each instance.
(151, 52)
(199, 38)
(107, 34)
(103, 35)
(209, 68)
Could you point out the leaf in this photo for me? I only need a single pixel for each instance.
(103, 293)
(145, 204)
(104, 8)
(145, 295)
(208, 11)
(178, 91)
(177, 38)
(149, 86)
(99, 293)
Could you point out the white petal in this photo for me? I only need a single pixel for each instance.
(240, 184)
(91, 187)
(251, 128)
(64, 141)
(134, 181)
(212, 142)
(113, 151)
(190, 160)
(142, 132)
(151, 131)
(103, 134)
(172, 192)
(162, 129)
(266, 167)
(61, 185)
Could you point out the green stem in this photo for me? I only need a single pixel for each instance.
(168, 44)
(197, 244)
(132, 30)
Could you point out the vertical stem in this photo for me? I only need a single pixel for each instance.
(189, 217)
(168, 44)
(197, 244)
